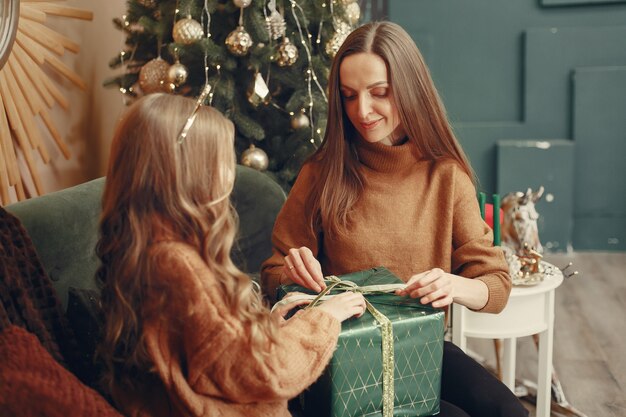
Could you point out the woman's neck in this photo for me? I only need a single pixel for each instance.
(387, 158)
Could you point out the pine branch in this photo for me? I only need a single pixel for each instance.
(247, 126)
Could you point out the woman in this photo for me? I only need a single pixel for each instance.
(185, 332)
(390, 185)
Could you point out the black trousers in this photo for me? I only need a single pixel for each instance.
(468, 389)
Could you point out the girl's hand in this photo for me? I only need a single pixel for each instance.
(345, 305)
(434, 286)
(302, 268)
(279, 313)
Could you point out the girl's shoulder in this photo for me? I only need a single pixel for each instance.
(179, 265)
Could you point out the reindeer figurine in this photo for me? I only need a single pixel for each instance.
(519, 229)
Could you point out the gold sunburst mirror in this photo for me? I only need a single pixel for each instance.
(9, 14)
(30, 58)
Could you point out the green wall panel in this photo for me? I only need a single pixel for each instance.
(479, 142)
(551, 56)
(578, 2)
(600, 233)
(477, 59)
(525, 163)
(504, 70)
(600, 135)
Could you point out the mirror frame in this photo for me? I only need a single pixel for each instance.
(8, 27)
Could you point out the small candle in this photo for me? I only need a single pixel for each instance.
(496, 219)
(482, 198)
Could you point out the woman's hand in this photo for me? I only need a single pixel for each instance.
(302, 268)
(442, 289)
(434, 286)
(345, 305)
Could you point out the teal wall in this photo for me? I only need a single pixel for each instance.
(536, 91)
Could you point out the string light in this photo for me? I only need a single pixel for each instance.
(123, 63)
(311, 76)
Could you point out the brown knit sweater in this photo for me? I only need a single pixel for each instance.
(202, 359)
(414, 215)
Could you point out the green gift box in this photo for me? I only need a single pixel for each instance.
(352, 384)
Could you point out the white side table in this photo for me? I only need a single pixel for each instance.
(530, 310)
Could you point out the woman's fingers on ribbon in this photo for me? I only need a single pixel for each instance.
(441, 294)
(312, 266)
(433, 285)
(442, 302)
(419, 281)
(297, 270)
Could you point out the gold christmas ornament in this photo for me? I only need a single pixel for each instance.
(187, 31)
(254, 157)
(348, 1)
(259, 93)
(239, 41)
(287, 53)
(342, 32)
(300, 121)
(153, 76)
(177, 74)
(242, 3)
(353, 13)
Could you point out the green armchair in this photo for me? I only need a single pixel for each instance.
(64, 227)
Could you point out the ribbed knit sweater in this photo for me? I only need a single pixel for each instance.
(201, 353)
(413, 215)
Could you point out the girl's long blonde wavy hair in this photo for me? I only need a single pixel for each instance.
(421, 112)
(185, 187)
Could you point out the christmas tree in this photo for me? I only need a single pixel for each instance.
(267, 62)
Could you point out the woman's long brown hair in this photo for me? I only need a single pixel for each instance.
(184, 187)
(421, 112)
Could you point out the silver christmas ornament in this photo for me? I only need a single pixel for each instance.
(153, 76)
(276, 26)
(299, 121)
(242, 3)
(239, 41)
(187, 31)
(287, 53)
(256, 158)
(177, 74)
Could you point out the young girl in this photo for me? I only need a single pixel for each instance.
(390, 185)
(186, 333)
